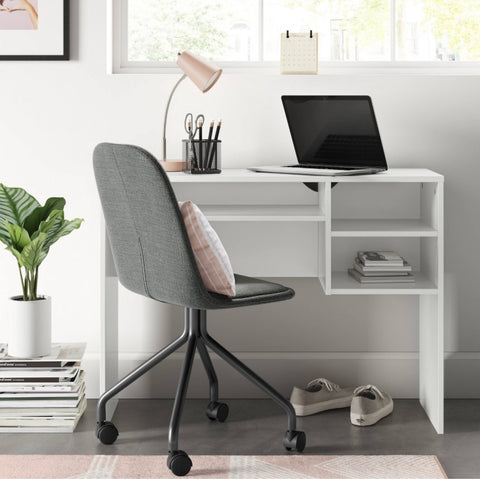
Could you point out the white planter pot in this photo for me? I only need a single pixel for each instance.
(30, 327)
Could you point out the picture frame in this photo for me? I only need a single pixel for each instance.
(34, 30)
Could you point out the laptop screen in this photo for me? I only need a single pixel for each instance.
(338, 131)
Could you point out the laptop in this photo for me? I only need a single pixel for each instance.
(332, 135)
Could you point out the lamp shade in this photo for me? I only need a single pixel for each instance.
(202, 74)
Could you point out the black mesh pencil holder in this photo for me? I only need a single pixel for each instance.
(202, 159)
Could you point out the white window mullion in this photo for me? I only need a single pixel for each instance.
(393, 31)
(123, 22)
(260, 30)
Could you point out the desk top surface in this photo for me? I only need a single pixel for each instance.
(242, 175)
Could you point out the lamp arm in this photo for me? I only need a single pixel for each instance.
(166, 114)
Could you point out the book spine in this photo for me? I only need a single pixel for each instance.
(34, 379)
(18, 387)
(31, 364)
(382, 263)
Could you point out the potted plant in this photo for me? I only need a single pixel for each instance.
(28, 230)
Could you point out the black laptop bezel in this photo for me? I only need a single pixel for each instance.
(377, 168)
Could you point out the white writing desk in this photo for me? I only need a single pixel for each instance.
(401, 208)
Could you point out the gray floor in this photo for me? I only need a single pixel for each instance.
(257, 427)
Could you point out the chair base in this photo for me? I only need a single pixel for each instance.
(197, 338)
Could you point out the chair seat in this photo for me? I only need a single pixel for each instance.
(253, 291)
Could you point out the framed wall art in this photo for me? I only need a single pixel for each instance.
(34, 29)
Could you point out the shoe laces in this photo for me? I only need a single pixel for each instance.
(322, 382)
(368, 388)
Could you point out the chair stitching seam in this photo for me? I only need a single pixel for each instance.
(144, 275)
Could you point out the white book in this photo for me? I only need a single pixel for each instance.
(380, 258)
(67, 429)
(66, 412)
(382, 270)
(55, 378)
(56, 391)
(15, 373)
(40, 402)
(52, 387)
(409, 278)
(62, 426)
(62, 354)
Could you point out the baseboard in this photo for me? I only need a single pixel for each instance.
(395, 372)
(462, 369)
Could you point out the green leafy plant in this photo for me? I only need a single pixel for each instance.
(29, 230)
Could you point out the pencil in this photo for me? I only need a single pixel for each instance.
(209, 142)
(200, 142)
(215, 140)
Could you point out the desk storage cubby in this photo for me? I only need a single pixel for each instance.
(419, 252)
(404, 217)
(384, 209)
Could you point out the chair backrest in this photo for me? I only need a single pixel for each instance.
(150, 245)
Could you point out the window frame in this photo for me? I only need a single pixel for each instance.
(118, 63)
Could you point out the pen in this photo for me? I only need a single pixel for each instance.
(200, 150)
(215, 140)
(209, 142)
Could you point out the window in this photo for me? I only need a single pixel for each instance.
(149, 33)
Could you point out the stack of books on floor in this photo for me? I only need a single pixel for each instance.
(42, 395)
(381, 267)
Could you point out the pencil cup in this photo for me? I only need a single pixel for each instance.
(204, 161)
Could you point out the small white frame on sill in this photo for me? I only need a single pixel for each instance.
(117, 61)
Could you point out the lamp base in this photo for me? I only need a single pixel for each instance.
(172, 165)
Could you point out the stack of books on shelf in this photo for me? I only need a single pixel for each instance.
(44, 394)
(381, 267)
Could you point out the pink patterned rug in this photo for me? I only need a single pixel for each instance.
(281, 466)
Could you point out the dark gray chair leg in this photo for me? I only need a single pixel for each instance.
(215, 409)
(106, 431)
(249, 374)
(209, 369)
(139, 371)
(208, 365)
(181, 394)
(178, 461)
(206, 360)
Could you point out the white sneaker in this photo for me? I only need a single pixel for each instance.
(369, 405)
(319, 395)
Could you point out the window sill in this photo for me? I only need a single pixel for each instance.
(324, 68)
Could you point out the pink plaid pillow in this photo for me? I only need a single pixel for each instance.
(211, 257)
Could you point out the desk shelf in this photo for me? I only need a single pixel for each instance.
(382, 228)
(263, 213)
(344, 284)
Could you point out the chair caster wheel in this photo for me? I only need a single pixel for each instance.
(106, 432)
(294, 440)
(179, 463)
(217, 411)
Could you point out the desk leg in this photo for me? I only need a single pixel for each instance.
(325, 237)
(109, 320)
(431, 362)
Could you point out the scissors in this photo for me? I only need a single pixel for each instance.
(189, 125)
(189, 128)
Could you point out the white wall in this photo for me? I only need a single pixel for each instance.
(53, 114)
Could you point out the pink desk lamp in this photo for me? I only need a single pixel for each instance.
(204, 75)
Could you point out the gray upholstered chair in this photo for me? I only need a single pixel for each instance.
(154, 258)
